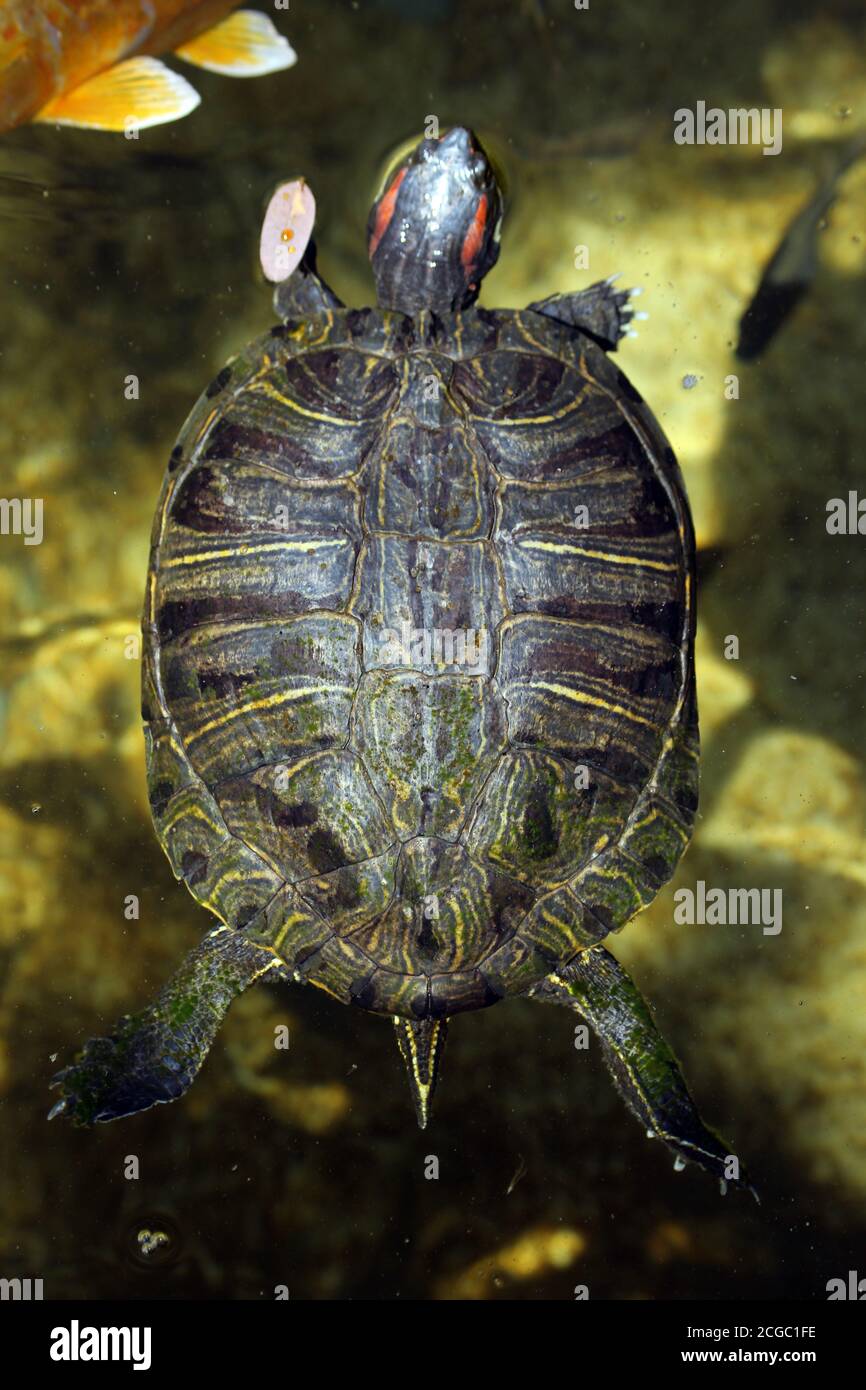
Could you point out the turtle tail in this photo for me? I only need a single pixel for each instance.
(421, 1043)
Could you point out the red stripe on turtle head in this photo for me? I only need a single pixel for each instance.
(474, 239)
(385, 210)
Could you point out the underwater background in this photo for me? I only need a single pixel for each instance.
(305, 1168)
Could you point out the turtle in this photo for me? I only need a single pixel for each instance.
(418, 664)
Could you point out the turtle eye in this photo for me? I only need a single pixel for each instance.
(478, 173)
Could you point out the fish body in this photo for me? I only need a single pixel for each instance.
(794, 264)
(95, 62)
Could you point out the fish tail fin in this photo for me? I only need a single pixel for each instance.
(246, 44)
(136, 93)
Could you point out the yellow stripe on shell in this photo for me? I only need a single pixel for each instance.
(581, 698)
(609, 556)
(281, 698)
(201, 557)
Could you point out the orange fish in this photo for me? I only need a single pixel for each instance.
(94, 63)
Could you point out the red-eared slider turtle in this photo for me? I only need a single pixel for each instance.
(419, 692)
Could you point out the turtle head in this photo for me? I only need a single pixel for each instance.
(433, 232)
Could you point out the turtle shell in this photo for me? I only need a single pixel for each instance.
(418, 681)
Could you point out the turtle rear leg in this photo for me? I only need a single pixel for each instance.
(643, 1067)
(154, 1056)
(600, 310)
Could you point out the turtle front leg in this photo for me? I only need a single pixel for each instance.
(154, 1056)
(643, 1067)
(304, 294)
(600, 310)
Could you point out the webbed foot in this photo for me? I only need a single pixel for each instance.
(643, 1067)
(153, 1056)
(601, 311)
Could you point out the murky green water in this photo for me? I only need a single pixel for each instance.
(138, 258)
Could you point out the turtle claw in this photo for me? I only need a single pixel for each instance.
(746, 1186)
(600, 311)
(58, 1107)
